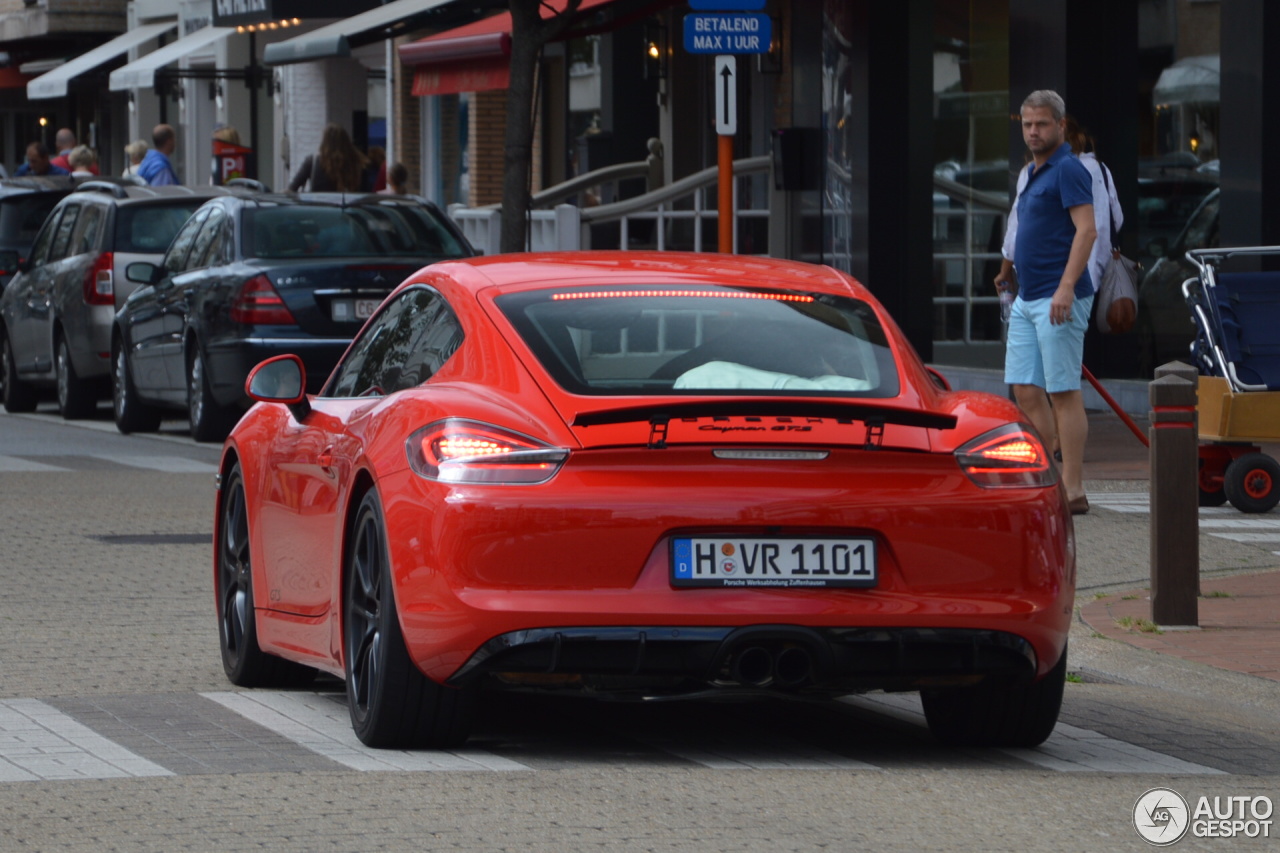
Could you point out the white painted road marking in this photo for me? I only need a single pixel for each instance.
(771, 754)
(165, 464)
(161, 464)
(18, 464)
(1224, 522)
(39, 742)
(1068, 750)
(321, 724)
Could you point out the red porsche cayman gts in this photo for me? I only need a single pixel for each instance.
(641, 475)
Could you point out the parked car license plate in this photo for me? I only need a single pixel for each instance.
(348, 310)
(771, 562)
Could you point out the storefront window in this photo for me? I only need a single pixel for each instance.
(972, 178)
(1179, 73)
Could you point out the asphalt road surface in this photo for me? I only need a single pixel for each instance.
(119, 731)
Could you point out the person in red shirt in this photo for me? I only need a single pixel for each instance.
(65, 140)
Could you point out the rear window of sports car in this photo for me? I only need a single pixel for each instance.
(701, 340)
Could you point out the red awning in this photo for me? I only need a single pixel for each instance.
(11, 78)
(470, 58)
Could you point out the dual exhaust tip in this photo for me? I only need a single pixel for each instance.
(787, 667)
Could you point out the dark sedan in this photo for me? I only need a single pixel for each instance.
(248, 278)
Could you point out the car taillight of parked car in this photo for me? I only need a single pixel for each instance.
(258, 304)
(1006, 458)
(99, 288)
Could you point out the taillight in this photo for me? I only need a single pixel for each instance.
(463, 451)
(98, 283)
(258, 304)
(1010, 457)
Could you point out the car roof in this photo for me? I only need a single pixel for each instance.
(538, 270)
(35, 184)
(126, 192)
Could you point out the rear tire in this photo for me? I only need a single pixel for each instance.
(209, 420)
(393, 705)
(1000, 714)
(132, 415)
(245, 663)
(77, 399)
(1252, 483)
(18, 395)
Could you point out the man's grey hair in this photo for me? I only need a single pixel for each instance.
(1047, 98)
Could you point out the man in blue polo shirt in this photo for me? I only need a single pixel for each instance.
(1055, 294)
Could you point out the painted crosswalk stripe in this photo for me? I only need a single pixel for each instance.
(1069, 749)
(770, 754)
(19, 465)
(1222, 522)
(320, 722)
(165, 464)
(39, 742)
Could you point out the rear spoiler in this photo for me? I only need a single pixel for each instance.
(841, 412)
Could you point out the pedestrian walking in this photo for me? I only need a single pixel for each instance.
(38, 162)
(156, 169)
(133, 154)
(84, 162)
(1055, 235)
(397, 180)
(337, 167)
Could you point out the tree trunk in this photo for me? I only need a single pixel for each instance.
(529, 34)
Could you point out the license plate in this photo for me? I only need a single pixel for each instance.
(349, 310)
(772, 562)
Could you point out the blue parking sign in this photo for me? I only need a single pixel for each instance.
(739, 32)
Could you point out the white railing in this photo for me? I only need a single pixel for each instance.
(975, 205)
(567, 227)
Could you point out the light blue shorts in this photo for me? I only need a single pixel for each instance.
(1040, 353)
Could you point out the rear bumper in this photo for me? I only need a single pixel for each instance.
(662, 660)
(230, 362)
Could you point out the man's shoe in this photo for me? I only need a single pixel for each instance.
(1079, 506)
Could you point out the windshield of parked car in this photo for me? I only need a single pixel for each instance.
(149, 228)
(330, 231)
(704, 340)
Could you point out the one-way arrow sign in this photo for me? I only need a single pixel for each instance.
(726, 95)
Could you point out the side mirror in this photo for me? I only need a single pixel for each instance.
(281, 379)
(142, 272)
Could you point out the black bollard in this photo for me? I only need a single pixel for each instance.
(1175, 504)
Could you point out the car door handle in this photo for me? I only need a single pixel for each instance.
(325, 460)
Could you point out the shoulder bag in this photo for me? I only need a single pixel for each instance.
(1118, 292)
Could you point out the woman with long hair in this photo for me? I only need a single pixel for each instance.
(337, 167)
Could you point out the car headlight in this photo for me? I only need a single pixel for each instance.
(456, 450)
(1009, 457)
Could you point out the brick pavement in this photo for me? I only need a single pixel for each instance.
(1239, 616)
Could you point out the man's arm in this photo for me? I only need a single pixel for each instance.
(1081, 246)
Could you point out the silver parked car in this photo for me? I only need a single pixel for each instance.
(56, 313)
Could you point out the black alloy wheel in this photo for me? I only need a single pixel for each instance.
(393, 705)
(76, 397)
(243, 660)
(131, 414)
(209, 421)
(19, 396)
